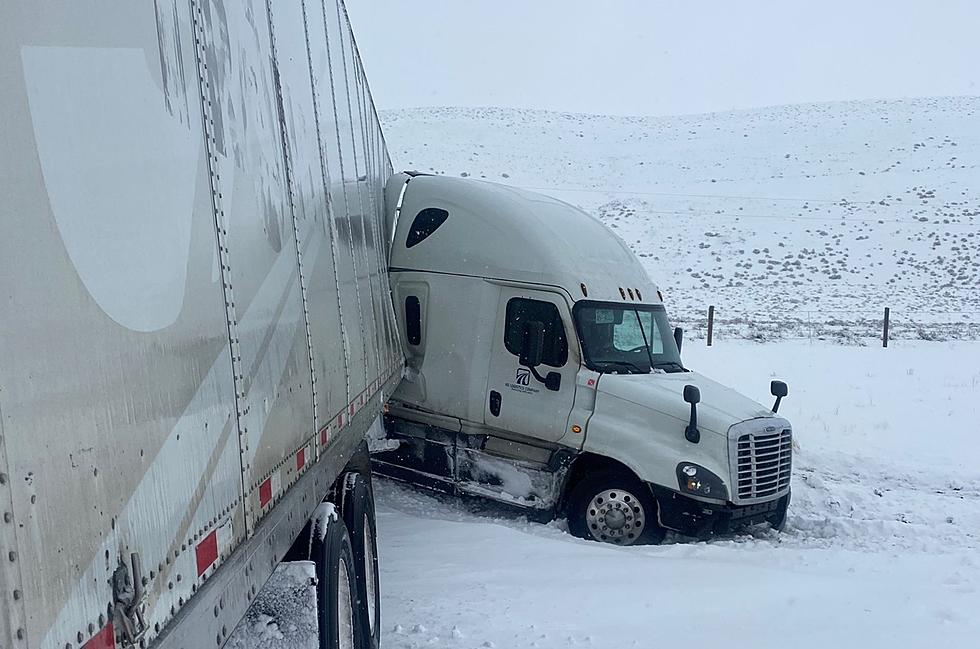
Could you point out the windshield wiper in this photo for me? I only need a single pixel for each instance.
(674, 364)
(630, 366)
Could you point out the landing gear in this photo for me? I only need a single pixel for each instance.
(613, 508)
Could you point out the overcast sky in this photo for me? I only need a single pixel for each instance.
(647, 57)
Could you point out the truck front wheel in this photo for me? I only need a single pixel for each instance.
(613, 508)
(778, 518)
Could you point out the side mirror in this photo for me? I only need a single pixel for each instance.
(532, 352)
(532, 344)
(679, 338)
(692, 395)
(778, 390)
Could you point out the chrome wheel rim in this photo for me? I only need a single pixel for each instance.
(345, 609)
(369, 576)
(615, 516)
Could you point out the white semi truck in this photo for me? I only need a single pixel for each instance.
(195, 323)
(542, 372)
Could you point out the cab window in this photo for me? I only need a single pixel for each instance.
(638, 329)
(426, 222)
(521, 310)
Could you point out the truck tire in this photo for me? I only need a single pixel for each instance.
(778, 518)
(613, 508)
(336, 588)
(358, 513)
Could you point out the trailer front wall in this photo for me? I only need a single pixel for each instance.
(193, 303)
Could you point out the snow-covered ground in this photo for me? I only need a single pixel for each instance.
(284, 615)
(793, 221)
(799, 224)
(882, 546)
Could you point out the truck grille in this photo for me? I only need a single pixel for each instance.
(763, 464)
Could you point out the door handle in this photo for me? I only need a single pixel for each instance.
(494, 403)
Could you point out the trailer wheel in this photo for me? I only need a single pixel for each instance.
(336, 588)
(358, 512)
(613, 508)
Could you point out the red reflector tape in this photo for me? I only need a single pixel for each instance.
(207, 552)
(265, 492)
(324, 435)
(301, 459)
(104, 639)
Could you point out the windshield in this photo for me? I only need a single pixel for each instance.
(626, 338)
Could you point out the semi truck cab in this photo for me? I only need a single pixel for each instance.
(541, 371)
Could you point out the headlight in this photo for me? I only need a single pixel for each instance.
(698, 481)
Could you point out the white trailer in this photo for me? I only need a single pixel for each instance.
(195, 323)
(542, 372)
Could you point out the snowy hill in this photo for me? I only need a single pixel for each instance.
(802, 220)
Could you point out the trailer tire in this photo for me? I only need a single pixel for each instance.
(609, 507)
(338, 617)
(358, 513)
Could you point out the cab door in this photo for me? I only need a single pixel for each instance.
(517, 402)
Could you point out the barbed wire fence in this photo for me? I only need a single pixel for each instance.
(844, 327)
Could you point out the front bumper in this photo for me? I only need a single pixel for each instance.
(700, 519)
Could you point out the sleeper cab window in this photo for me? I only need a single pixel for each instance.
(426, 222)
(413, 320)
(521, 310)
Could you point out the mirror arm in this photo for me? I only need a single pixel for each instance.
(692, 433)
(544, 380)
(775, 406)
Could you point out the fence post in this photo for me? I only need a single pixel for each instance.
(884, 329)
(711, 323)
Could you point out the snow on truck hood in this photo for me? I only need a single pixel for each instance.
(720, 406)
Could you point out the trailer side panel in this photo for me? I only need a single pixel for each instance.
(194, 312)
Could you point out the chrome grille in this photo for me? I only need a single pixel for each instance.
(763, 463)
